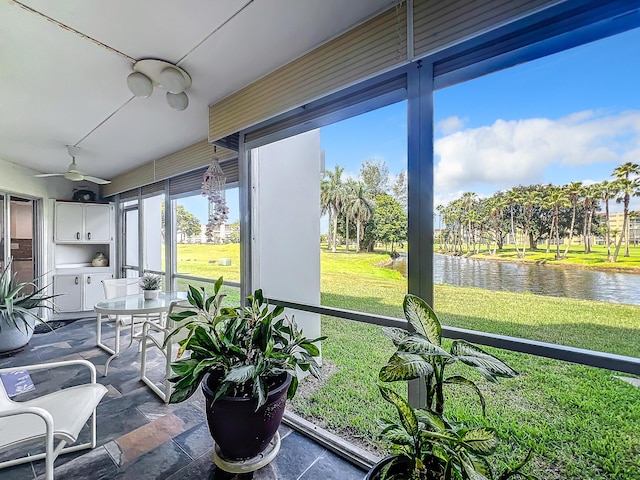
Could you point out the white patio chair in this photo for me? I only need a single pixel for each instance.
(113, 288)
(59, 415)
(154, 335)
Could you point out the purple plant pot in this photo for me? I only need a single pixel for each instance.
(237, 428)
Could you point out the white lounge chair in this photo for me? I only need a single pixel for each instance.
(58, 415)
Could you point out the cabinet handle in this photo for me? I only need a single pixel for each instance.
(88, 235)
(77, 235)
(88, 280)
(77, 280)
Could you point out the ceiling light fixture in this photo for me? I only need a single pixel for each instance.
(151, 73)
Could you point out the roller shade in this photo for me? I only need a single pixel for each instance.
(185, 160)
(438, 24)
(368, 49)
(192, 181)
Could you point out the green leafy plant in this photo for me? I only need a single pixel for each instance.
(427, 444)
(429, 447)
(248, 347)
(149, 281)
(20, 301)
(420, 355)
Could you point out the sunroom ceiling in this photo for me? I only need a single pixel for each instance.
(59, 87)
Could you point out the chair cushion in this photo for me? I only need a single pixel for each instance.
(70, 409)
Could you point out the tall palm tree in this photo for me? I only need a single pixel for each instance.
(556, 199)
(361, 208)
(572, 191)
(627, 177)
(512, 199)
(347, 200)
(608, 190)
(591, 194)
(331, 198)
(468, 202)
(529, 199)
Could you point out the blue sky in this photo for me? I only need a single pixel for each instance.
(571, 116)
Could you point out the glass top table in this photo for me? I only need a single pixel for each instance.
(137, 305)
(130, 311)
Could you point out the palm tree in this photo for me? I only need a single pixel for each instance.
(347, 200)
(591, 194)
(529, 199)
(572, 190)
(331, 197)
(627, 177)
(468, 202)
(556, 198)
(608, 190)
(512, 199)
(361, 209)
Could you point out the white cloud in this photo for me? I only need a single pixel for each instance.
(450, 125)
(518, 151)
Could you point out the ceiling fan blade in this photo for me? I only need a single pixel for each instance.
(97, 180)
(49, 175)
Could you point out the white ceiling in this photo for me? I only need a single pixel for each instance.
(58, 87)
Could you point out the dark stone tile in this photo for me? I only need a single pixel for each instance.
(19, 472)
(204, 469)
(115, 423)
(95, 464)
(62, 459)
(160, 463)
(296, 455)
(197, 441)
(332, 467)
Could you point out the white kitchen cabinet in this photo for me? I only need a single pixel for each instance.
(83, 222)
(79, 292)
(81, 230)
(68, 289)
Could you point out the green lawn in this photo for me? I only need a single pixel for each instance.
(576, 256)
(582, 422)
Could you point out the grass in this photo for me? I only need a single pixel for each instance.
(575, 256)
(582, 422)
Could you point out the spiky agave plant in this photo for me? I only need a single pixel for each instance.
(20, 301)
(420, 354)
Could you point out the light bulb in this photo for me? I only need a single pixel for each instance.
(139, 84)
(173, 80)
(177, 101)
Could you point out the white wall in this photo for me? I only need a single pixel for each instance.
(286, 229)
(19, 180)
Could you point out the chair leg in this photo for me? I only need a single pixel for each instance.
(167, 374)
(116, 350)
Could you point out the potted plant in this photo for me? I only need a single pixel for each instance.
(20, 305)
(247, 360)
(427, 445)
(150, 285)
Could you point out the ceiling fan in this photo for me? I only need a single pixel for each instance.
(72, 172)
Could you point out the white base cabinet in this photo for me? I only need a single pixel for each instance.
(79, 292)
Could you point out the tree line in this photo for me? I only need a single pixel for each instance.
(368, 210)
(541, 213)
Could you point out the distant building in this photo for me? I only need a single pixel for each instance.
(616, 222)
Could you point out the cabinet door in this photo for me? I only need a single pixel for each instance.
(68, 222)
(93, 289)
(69, 289)
(97, 223)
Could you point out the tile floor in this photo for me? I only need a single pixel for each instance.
(139, 437)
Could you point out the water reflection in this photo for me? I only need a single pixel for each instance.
(537, 279)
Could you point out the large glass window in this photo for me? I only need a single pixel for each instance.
(203, 249)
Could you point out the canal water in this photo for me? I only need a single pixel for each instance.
(537, 279)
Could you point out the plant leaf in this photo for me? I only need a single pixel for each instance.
(482, 441)
(406, 413)
(405, 366)
(422, 318)
(420, 345)
(488, 365)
